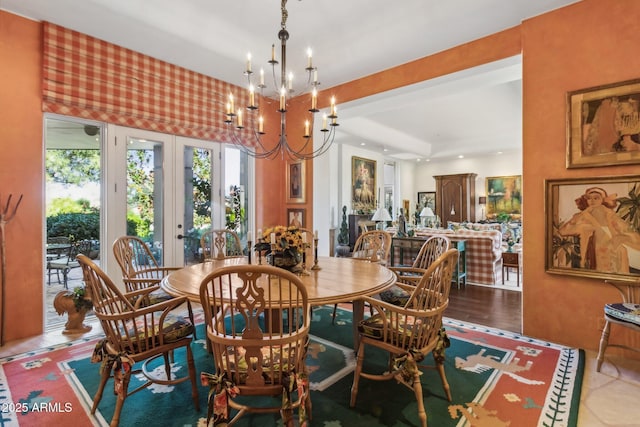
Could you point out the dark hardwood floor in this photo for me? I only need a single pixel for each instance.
(483, 305)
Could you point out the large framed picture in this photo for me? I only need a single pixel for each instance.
(592, 227)
(603, 125)
(296, 218)
(504, 195)
(295, 181)
(427, 199)
(363, 182)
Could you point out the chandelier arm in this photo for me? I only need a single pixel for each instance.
(284, 94)
(328, 138)
(264, 153)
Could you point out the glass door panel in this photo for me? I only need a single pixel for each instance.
(145, 193)
(198, 184)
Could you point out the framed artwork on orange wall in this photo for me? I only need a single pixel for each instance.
(604, 125)
(295, 181)
(592, 227)
(296, 218)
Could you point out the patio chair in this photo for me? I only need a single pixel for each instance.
(429, 252)
(135, 333)
(410, 332)
(141, 270)
(373, 246)
(220, 244)
(65, 259)
(624, 313)
(257, 319)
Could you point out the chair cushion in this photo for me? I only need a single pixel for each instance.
(374, 326)
(159, 296)
(626, 312)
(175, 328)
(236, 357)
(395, 295)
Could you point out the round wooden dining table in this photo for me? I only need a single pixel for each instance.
(338, 280)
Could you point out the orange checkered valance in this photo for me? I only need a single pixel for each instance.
(90, 78)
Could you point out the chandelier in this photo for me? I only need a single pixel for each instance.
(235, 119)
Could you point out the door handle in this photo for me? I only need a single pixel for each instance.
(180, 236)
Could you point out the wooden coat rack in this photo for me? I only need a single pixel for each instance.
(7, 212)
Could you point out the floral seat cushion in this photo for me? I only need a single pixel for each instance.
(174, 328)
(283, 360)
(395, 295)
(626, 312)
(374, 326)
(158, 296)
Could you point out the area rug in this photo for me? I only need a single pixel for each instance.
(497, 378)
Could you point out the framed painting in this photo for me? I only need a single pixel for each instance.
(427, 199)
(504, 195)
(296, 218)
(592, 227)
(603, 127)
(295, 181)
(363, 183)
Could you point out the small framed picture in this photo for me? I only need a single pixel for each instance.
(427, 199)
(295, 181)
(504, 195)
(592, 227)
(296, 218)
(604, 126)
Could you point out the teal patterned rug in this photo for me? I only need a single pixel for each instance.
(497, 378)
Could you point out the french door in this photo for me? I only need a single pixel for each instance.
(163, 189)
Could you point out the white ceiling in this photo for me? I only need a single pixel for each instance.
(473, 112)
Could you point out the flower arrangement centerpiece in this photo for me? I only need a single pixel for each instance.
(284, 246)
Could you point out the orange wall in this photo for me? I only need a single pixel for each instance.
(587, 44)
(21, 167)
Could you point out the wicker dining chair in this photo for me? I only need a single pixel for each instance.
(410, 332)
(373, 246)
(220, 244)
(135, 332)
(141, 270)
(257, 319)
(431, 250)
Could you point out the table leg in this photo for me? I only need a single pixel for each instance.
(358, 316)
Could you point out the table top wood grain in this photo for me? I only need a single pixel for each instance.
(338, 280)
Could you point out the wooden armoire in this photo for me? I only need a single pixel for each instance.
(456, 197)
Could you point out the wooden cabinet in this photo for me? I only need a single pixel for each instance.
(455, 197)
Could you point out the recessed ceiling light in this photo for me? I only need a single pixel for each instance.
(461, 156)
(385, 149)
(499, 152)
(363, 143)
(418, 159)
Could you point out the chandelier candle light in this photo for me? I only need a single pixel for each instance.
(235, 119)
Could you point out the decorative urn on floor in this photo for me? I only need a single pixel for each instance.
(76, 304)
